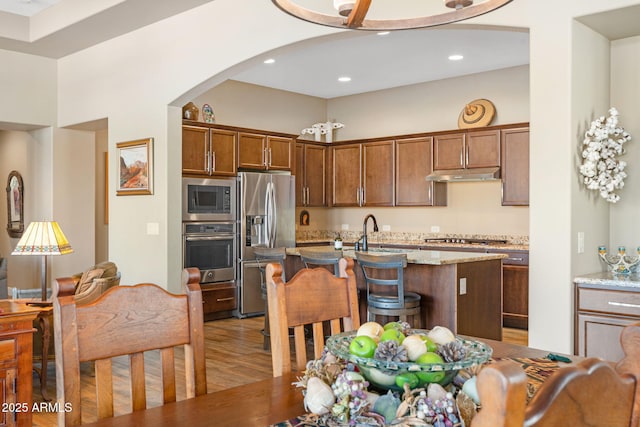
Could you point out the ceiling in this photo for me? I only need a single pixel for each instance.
(56, 28)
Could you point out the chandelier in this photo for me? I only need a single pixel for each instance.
(352, 14)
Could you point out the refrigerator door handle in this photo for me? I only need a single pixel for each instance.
(267, 211)
(274, 216)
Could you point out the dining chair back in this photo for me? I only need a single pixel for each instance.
(127, 320)
(311, 258)
(386, 296)
(311, 297)
(593, 392)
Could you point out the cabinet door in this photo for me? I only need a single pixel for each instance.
(599, 336)
(195, 150)
(414, 157)
(378, 173)
(223, 152)
(315, 172)
(279, 153)
(7, 385)
(251, 151)
(515, 299)
(299, 173)
(515, 167)
(346, 175)
(482, 149)
(448, 151)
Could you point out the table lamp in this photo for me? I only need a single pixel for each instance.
(43, 238)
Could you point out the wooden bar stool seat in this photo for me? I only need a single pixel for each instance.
(386, 296)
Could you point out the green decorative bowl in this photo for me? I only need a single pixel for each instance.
(382, 374)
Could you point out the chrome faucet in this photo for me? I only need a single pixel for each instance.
(365, 245)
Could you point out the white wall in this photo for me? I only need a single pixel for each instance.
(625, 95)
(101, 206)
(133, 78)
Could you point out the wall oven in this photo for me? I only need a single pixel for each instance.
(211, 247)
(208, 199)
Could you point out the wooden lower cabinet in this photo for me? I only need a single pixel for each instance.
(16, 362)
(601, 314)
(515, 303)
(219, 300)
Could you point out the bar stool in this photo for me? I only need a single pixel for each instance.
(266, 256)
(311, 257)
(385, 289)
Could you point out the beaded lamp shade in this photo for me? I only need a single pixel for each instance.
(43, 238)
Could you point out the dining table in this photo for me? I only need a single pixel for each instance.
(270, 402)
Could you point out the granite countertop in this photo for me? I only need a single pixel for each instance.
(608, 279)
(417, 256)
(448, 246)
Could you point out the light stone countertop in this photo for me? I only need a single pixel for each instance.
(415, 256)
(448, 246)
(609, 280)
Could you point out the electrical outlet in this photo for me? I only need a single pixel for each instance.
(435, 228)
(580, 242)
(463, 286)
(345, 226)
(386, 228)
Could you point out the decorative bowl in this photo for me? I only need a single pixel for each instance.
(382, 374)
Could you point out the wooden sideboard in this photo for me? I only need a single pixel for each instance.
(16, 348)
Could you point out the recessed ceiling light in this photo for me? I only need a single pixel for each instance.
(344, 79)
(269, 61)
(455, 57)
(384, 33)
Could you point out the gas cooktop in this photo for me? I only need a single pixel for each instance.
(466, 241)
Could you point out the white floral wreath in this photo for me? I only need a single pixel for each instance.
(601, 170)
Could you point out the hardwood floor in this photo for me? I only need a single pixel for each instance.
(235, 356)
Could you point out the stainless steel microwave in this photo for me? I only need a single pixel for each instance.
(208, 199)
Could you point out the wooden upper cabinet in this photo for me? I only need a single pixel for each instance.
(462, 150)
(346, 165)
(279, 153)
(377, 174)
(207, 151)
(311, 175)
(264, 152)
(195, 150)
(251, 150)
(515, 167)
(448, 151)
(363, 174)
(483, 149)
(223, 152)
(414, 157)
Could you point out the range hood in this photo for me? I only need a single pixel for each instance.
(462, 175)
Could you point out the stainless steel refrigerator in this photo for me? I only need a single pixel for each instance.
(266, 215)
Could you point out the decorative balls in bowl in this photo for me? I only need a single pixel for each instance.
(394, 354)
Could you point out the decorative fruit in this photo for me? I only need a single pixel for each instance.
(408, 378)
(431, 346)
(415, 346)
(371, 329)
(387, 406)
(392, 334)
(363, 346)
(379, 377)
(427, 359)
(441, 335)
(394, 325)
(319, 397)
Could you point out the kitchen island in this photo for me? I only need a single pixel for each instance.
(459, 290)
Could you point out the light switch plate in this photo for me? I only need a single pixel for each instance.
(580, 242)
(386, 228)
(345, 226)
(435, 228)
(463, 286)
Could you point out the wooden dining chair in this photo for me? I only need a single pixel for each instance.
(127, 320)
(591, 393)
(311, 297)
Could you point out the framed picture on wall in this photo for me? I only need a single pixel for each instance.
(135, 167)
